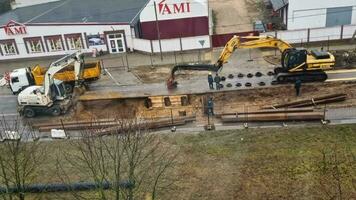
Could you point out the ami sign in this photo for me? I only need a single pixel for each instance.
(175, 8)
(15, 28)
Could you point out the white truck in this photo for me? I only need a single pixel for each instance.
(25, 77)
(51, 98)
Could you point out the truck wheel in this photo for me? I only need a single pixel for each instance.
(55, 111)
(68, 88)
(29, 112)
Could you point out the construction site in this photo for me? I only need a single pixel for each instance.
(177, 95)
(250, 113)
(178, 101)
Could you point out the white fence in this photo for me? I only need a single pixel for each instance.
(315, 34)
(291, 36)
(170, 45)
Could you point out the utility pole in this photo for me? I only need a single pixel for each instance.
(158, 31)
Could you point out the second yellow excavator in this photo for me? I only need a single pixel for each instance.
(307, 66)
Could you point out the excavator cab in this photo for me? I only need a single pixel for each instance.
(299, 64)
(293, 58)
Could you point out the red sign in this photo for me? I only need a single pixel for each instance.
(165, 8)
(15, 28)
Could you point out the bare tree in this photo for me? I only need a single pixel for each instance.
(131, 160)
(20, 158)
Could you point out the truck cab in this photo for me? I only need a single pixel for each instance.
(20, 79)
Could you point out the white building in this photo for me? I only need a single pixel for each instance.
(23, 3)
(280, 8)
(320, 13)
(114, 26)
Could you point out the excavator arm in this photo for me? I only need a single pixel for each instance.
(251, 43)
(60, 64)
(247, 42)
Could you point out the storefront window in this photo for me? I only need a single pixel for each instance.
(34, 45)
(8, 47)
(74, 43)
(55, 44)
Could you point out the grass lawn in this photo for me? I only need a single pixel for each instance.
(267, 163)
(284, 163)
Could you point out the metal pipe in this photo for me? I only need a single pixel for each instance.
(62, 187)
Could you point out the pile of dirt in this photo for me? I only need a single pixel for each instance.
(237, 101)
(225, 101)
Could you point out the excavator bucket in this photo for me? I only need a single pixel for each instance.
(172, 84)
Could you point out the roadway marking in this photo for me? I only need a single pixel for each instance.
(340, 71)
(107, 71)
(340, 79)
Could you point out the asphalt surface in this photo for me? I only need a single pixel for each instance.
(8, 105)
(124, 84)
(196, 86)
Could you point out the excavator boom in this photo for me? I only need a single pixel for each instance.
(252, 42)
(234, 43)
(60, 64)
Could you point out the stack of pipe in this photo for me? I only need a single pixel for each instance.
(311, 102)
(294, 114)
(107, 124)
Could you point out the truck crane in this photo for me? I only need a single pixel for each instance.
(295, 63)
(50, 98)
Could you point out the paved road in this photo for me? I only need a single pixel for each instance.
(197, 86)
(340, 113)
(8, 105)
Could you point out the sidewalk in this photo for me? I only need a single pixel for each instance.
(129, 60)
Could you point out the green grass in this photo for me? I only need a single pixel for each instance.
(263, 163)
(279, 163)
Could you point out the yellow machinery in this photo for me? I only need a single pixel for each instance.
(91, 72)
(25, 77)
(295, 63)
(252, 42)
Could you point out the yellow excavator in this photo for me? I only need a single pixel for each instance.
(307, 66)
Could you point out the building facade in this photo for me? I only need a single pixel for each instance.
(315, 13)
(28, 41)
(176, 18)
(56, 28)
